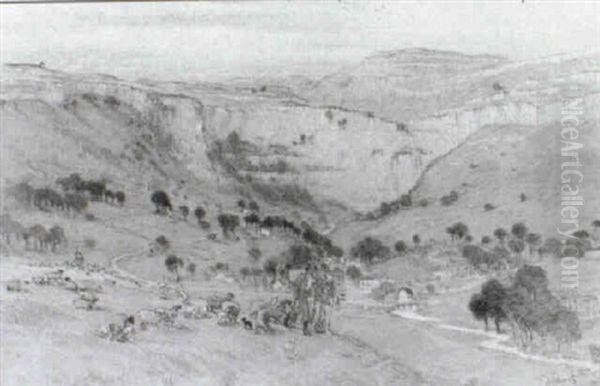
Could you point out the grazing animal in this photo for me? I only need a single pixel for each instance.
(247, 324)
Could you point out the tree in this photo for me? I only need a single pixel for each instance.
(523, 197)
(76, 201)
(162, 202)
(241, 204)
(228, 223)
(120, 196)
(369, 250)
(385, 208)
(162, 244)
(500, 234)
(191, 268)
(487, 207)
(400, 247)
(253, 206)
(516, 246)
(173, 263)
(552, 246)
(336, 251)
(457, 230)
(468, 239)
(95, 188)
(519, 230)
(449, 199)
(185, 211)
(479, 308)
(416, 239)
(199, 213)
(533, 240)
(406, 200)
(494, 294)
(581, 234)
(56, 236)
(299, 255)
(254, 253)
(489, 303)
(353, 272)
(485, 240)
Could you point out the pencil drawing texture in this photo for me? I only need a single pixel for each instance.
(314, 193)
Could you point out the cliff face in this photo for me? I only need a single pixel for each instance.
(55, 123)
(350, 157)
(166, 134)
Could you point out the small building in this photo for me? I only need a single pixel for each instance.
(406, 299)
(368, 284)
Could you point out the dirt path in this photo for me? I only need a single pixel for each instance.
(496, 342)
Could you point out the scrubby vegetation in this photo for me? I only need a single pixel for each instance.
(535, 315)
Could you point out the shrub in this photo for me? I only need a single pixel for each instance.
(185, 211)
(191, 268)
(254, 253)
(253, 206)
(162, 242)
(241, 204)
(199, 213)
(120, 196)
(406, 200)
(416, 240)
(90, 217)
(400, 247)
(385, 208)
(162, 201)
(522, 197)
(173, 263)
(500, 234)
(228, 223)
(487, 207)
(329, 115)
(423, 202)
(485, 240)
(89, 243)
(450, 198)
(205, 225)
(519, 230)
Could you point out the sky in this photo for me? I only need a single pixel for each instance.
(220, 40)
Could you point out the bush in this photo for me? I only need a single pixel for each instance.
(449, 199)
(423, 202)
(191, 268)
(485, 240)
(487, 207)
(90, 217)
